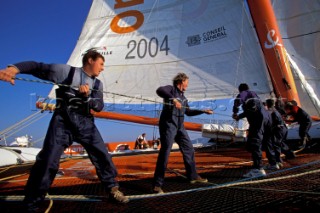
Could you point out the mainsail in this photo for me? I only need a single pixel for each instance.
(300, 29)
(146, 43)
(216, 43)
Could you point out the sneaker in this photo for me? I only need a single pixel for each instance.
(271, 167)
(117, 196)
(157, 190)
(199, 180)
(255, 173)
(280, 165)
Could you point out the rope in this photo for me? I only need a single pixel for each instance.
(246, 181)
(50, 203)
(112, 93)
(14, 176)
(64, 85)
(26, 125)
(18, 123)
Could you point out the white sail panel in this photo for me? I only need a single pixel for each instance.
(213, 41)
(300, 28)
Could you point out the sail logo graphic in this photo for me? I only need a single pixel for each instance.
(102, 50)
(208, 36)
(193, 40)
(214, 34)
(271, 43)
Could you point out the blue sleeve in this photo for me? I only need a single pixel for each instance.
(237, 103)
(56, 73)
(165, 92)
(242, 115)
(192, 112)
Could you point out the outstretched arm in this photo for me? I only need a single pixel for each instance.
(193, 112)
(51, 72)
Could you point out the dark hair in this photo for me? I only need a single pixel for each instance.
(243, 87)
(179, 78)
(270, 103)
(289, 105)
(91, 53)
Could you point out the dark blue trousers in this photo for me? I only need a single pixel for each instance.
(259, 137)
(64, 128)
(279, 142)
(169, 133)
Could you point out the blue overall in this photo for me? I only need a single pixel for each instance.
(71, 121)
(259, 136)
(305, 122)
(279, 135)
(172, 130)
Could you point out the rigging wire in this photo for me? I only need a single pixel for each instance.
(18, 123)
(240, 49)
(25, 125)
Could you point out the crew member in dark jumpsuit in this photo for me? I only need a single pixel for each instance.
(171, 128)
(71, 121)
(259, 128)
(304, 120)
(279, 133)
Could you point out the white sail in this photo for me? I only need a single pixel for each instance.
(146, 43)
(299, 24)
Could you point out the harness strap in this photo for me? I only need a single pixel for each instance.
(69, 79)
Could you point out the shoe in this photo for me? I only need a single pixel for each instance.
(280, 165)
(33, 204)
(199, 180)
(32, 207)
(271, 167)
(157, 190)
(117, 196)
(255, 173)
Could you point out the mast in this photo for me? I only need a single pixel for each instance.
(273, 49)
